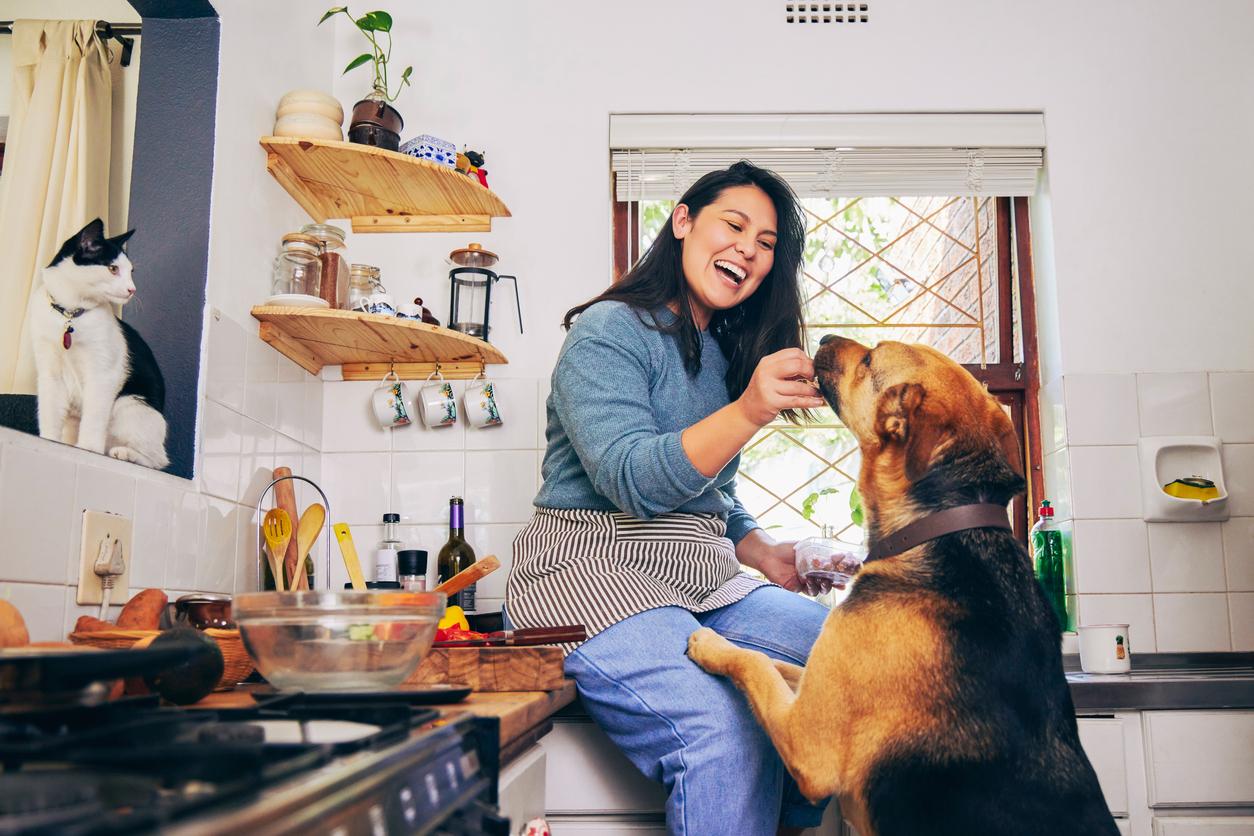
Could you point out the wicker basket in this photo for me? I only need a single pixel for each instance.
(237, 663)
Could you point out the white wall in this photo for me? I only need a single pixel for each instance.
(125, 84)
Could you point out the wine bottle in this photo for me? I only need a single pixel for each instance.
(456, 555)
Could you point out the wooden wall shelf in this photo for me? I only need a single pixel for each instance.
(378, 190)
(367, 345)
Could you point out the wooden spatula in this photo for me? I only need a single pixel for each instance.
(306, 535)
(277, 528)
(471, 574)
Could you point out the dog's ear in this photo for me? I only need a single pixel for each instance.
(897, 422)
(1008, 440)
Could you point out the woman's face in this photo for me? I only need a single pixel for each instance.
(728, 249)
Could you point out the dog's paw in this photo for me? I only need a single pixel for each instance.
(706, 648)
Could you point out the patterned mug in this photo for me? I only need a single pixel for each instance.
(438, 406)
(392, 404)
(482, 403)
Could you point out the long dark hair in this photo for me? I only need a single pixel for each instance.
(766, 322)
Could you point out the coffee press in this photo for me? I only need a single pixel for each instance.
(470, 291)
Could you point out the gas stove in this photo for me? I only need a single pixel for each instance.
(291, 764)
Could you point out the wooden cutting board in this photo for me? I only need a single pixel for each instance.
(493, 668)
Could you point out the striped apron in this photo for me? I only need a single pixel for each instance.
(596, 568)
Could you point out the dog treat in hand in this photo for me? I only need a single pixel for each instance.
(831, 560)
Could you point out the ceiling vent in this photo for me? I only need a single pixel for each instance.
(827, 12)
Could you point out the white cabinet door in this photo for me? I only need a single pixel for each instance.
(1102, 739)
(1204, 826)
(1194, 758)
(587, 774)
(520, 789)
(1125, 827)
(604, 826)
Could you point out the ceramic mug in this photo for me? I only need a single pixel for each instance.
(381, 302)
(393, 406)
(437, 405)
(482, 404)
(1104, 648)
(410, 311)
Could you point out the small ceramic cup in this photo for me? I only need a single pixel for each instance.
(392, 404)
(381, 302)
(1104, 648)
(437, 405)
(409, 311)
(483, 408)
(202, 611)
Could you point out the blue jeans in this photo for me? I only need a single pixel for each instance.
(694, 732)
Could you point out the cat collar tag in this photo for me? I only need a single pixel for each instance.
(66, 339)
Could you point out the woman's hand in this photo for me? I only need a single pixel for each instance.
(777, 562)
(779, 382)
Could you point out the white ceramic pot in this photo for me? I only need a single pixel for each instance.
(309, 125)
(311, 101)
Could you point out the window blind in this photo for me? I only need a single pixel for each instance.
(656, 157)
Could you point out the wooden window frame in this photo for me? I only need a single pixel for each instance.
(1016, 384)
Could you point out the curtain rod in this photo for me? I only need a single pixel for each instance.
(104, 29)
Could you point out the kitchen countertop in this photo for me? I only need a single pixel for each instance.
(1166, 681)
(523, 715)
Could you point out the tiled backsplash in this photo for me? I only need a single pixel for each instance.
(1181, 586)
(413, 471)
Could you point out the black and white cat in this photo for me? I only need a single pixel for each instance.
(99, 384)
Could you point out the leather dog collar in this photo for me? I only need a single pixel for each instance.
(938, 524)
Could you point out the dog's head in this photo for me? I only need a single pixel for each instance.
(911, 408)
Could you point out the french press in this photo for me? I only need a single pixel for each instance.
(470, 291)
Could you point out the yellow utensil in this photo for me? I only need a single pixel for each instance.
(306, 535)
(349, 551)
(277, 528)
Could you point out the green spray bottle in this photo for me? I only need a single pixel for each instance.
(1048, 563)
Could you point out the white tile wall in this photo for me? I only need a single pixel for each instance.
(1105, 482)
(1187, 557)
(517, 401)
(422, 484)
(1053, 417)
(1057, 468)
(1238, 539)
(1194, 622)
(1232, 404)
(1137, 611)
(36, 501)
(1111, 556)
(1174, 404)
(1101, 409)
(1241, 613)
(1238, 464)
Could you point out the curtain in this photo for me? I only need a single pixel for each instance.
(56, 167)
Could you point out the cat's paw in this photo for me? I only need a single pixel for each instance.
(125, 454)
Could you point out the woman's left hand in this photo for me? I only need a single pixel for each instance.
(777, 561)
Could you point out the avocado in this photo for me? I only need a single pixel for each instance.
(193, 679)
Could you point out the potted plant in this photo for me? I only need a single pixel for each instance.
(374, 121)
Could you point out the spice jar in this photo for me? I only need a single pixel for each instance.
(334, 265)
(363, 282)
(297, 269)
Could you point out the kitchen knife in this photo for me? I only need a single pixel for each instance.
(524, 637)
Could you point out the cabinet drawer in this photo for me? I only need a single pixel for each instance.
(587, 773)
(604, 826)
(520, 789)
(1102, 739)
(1208, 826)
(1199, 758)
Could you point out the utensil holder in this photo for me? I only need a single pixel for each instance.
(326, 524)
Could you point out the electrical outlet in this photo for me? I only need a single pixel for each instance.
(97, 525)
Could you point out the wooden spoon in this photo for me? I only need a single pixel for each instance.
(471, 574)
(277, 527)
(306, 535)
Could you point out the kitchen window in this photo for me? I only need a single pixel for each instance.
(950, 271)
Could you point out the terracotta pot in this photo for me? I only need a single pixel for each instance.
(377, 123)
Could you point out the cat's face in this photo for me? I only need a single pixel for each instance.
(91, 269)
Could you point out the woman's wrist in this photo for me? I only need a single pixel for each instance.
(753, 547)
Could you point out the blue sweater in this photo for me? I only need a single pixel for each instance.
(620, 399)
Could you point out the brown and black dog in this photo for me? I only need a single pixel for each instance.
(934, 700)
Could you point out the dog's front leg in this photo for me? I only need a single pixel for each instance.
(753, 672)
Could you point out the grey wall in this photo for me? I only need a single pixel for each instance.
(171, 187)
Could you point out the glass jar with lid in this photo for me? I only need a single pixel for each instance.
(297, 269)
(334, 264)
(363, 282)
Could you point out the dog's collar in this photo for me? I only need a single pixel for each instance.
(938, 524)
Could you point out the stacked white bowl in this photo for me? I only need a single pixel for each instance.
(309, 113)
